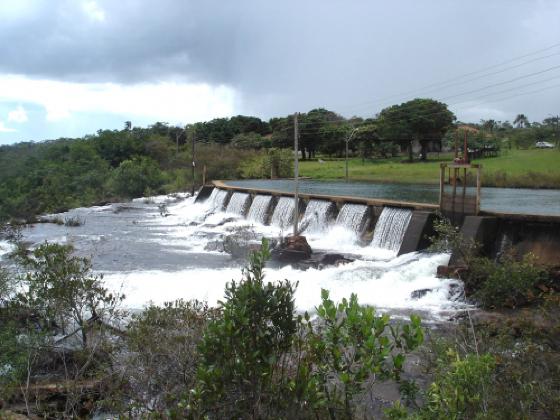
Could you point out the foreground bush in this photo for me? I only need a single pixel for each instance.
(506, 282)
(260, 360)
(158, 364)
(241, 349)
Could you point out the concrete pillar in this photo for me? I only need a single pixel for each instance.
(417, 232)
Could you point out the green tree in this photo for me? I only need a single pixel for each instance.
(314, 125)
(521, 121)
(423, 120)
(133, 177)
(250, 140)
(64, 293)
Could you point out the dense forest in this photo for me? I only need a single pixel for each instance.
(110, 165)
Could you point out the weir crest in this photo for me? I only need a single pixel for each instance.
(390, 228)
(216, 200)
(316, 216)
(352, 216)
(260, 208)
(283, 213)
(238, 203)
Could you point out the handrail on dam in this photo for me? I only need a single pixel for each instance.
(333, 198)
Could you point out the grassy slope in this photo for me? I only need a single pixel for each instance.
(513, 168)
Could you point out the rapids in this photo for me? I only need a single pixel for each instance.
(151, 257)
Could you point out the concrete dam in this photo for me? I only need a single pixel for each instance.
(398, 226)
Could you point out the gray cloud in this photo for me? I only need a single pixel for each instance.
(350, 56)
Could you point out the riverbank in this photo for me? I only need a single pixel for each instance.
(533, 168)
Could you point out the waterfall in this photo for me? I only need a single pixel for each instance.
(259, 208)
(390, 228)
(283, 213)
(316, 216)
(352, 216)
(216, 200)
(238, 203)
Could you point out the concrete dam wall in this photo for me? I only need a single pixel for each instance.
(401, 227)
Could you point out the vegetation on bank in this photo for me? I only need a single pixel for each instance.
(254, 357)
(114, 165)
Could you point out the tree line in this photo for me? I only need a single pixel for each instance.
(112, 165)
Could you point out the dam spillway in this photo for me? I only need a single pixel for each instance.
(410, 231)
(390, 228)
(317, 216)
(238, 203)
(283, 214)
(353, 217)
(259, 210)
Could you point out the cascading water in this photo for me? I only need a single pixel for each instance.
(390, 228)
(149, 257)
(316, 216)
(238, 203)
(216, 200)
(259, 208)
(283, 213)
(352, 216)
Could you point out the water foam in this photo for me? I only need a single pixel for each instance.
(385, 285)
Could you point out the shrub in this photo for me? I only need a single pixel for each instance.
(273, 163)
(449, 238)
(161, 358)
(505, 282)
(350, 345)
(461, 389)
(259, 360)
(240, 349)
(63, 293)
(134, 176)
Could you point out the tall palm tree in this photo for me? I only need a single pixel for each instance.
(521, 121)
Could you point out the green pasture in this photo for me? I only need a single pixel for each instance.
(532, 168)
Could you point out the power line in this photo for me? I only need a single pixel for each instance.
(455, 78)
(311, 123)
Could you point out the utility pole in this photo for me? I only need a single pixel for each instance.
(556, 119)
(296, 174)
(193, 159)
(348, 141)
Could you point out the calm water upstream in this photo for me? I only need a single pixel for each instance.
(507, 200)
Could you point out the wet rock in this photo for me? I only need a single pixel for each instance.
(334, 259)
(450, 271)
(297, 244)
(456, 291)
(293, 249)
(420, 293)
(120, 208)
(214, 246)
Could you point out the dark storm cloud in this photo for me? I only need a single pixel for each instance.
(280, 56)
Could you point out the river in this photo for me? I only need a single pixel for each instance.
(153, 257)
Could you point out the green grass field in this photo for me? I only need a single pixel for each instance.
(513, 168)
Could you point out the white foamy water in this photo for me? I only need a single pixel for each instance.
(316, 216)
(5, 248)
(182, 255)
(390, 228)
(162, 199)
(386, 285)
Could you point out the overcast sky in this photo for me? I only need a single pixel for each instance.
(71, 67)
